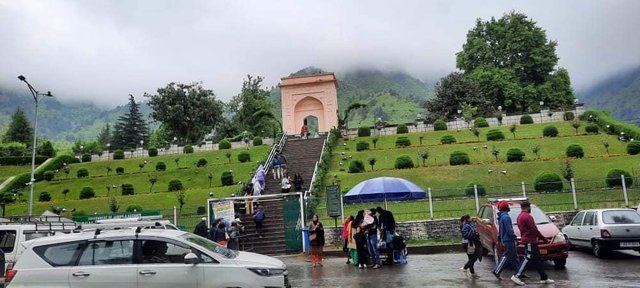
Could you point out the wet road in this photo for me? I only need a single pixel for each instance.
(441, 270)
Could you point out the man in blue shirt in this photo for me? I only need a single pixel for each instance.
(508, 238)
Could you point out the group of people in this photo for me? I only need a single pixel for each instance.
(366, 234)
(222, 232)
(530, 236)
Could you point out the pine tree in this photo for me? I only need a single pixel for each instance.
(19, 129)
(130, 128)
(104, 137)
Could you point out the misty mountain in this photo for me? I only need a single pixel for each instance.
(618, 94)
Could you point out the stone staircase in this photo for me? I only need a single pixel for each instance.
(301, 158)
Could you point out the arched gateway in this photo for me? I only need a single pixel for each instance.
(312, 98)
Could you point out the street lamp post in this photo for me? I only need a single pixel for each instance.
(541, 104)
(32, 181)
(81, 152)
(175, 140)
(458, 119)
(141, 148)
(108, 150)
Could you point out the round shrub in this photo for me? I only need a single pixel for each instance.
(568, 116)
(470, 191)
(187, 149)
(201, 162)
(87, 192)
(82, 172)
(356, 166)
(481, 122)
(226, 178)
(257, 141)
(439, 125)
(459, 158)
(526, 119)
(447, 139)
(575, 150)
(495, 135)
(592, 128)
(614, 178)
(153, 152)
(403, 142)
(86, 157)
(175, 185)
(402, 129)
(119, 170)
(48, 175)
(548, 182)
(127, 189)
(515, 155)
(118, 154)
(224, 144)
(364, 131)
(44, 197)
(404, 162)
(161, 166)
(134, 208)
(633, 148)
(361, 146)
(550, 131)
(244, 156)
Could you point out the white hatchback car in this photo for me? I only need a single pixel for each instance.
(141, 258)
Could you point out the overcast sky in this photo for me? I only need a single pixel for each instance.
(103, 50)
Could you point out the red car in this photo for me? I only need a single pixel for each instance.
(557, 250)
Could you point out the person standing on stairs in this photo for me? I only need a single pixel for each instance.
(297, 182)
(316, 237)
(275, 168)
(283, 164)
(258, 218)
(285, 184)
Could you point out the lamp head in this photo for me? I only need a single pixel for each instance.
(22, 78)
(48, 94)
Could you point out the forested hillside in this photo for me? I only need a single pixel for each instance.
(619, 94)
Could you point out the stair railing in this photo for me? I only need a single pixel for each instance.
(277, 148)
(315, 170)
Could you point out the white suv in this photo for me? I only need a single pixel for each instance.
(141, 258)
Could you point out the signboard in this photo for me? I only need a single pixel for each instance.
(223, 209)
(122, 215)
(334, 207)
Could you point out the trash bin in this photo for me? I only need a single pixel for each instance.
(307, 242)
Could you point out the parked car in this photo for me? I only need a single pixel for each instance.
(557, 250)
(141, 258)
(604, 230)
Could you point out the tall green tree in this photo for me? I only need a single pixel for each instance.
(19, 129)
(131, 128)
(105, 136)
(160, 137)
(245, 106)
(188, 111)
(453, 90)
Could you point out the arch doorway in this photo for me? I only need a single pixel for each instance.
(309, 110)
(312, 98)
(312, 123)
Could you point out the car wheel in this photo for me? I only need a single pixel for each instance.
(496, 258)
(598, 251)
(560, 263)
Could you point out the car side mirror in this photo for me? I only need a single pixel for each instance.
(486, 221)
(191, 258)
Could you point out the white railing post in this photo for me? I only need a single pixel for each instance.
(624, 191)
(175, 216)
(475, 193)
(524, 190)
(573, 191)
(430, 204)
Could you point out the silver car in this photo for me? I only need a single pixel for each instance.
(604, 230)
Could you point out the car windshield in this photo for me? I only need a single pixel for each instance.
(620, 217)
(537, 214)
(210, 245)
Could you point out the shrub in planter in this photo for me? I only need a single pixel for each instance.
(459, 158)
(633, 147)
(134, 208)
(568, 116)
(86, 157)
(161, 166)
(495, 135)
(614, 178)
(244, 156)
(515, 155)
(404, 162)
(439, 125)
(87, 192)
(82, 172)
(575, 150)
(49, 175)
(44, 197)
(448, 139)
(226, 178)
(356, 166)
(118, 154)
(403, 142)
(481, 122)
(201, 162)
(224, 144)
(187, 149)
(257, 141)
(361, 146)
(119, 170)
(201, 210)
(592, 128)
(402, 129)
(526, 119)
(548, 182)
(153, 152)
(127, 189)
(550, 131)
(364, 131)
(470, 191)
(175, 185)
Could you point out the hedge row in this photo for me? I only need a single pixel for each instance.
(603, 119)
(21, 160)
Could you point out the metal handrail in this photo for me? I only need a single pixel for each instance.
(315, 169)
(276, 149)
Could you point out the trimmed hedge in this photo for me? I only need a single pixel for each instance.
(404, 162)
(614, 178)
(153, 152)
(439, 125)
(526, 119)
(127, 189)
(548, 182)
(82, 172)
(201, 162)
(118, 154)
(224, 144)
(481, 122)
(592, 128)
(44, 197)
(362, 145)
(364, 131)
(244, 156)
(550, 131)
(356, 166)
(448, 139)
(495, 135)
(257, 141)
(119, 170)
(403, 142)
(187, 149)
(568, 116)
(49, 175)
(161, 166)
(226, 178)
(633, 148)
(21, 160)
(87, 192)
(402, 129)
(575, 150)
(175, 185)
(134, 208)
(515, 155)
(459, 158)
(86, 157)
(469, 191)
(615, 126)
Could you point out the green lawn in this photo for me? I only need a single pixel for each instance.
(8, 171)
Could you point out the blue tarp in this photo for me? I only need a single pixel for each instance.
(384, 188)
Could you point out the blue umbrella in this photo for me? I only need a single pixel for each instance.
(384, 189)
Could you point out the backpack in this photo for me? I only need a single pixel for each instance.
(259, 215)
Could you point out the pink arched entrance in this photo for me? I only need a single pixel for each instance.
(312, 95)
(309, 106)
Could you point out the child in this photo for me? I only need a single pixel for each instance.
(361, 246)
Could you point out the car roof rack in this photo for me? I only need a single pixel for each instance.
(121, 225)
(512, 199)
(42, 223)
